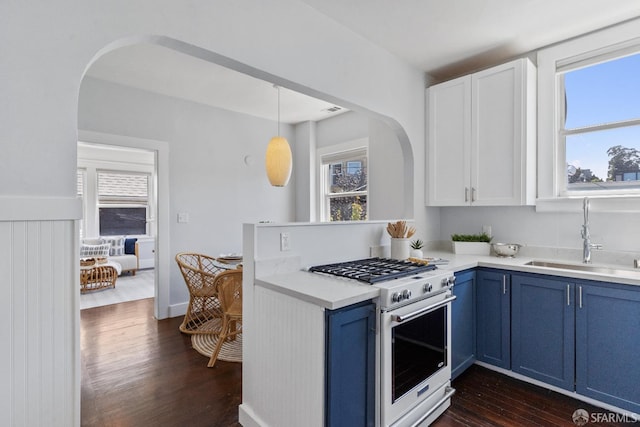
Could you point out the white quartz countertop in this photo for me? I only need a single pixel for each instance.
(333, 292)
(519, 264)
(324, 291)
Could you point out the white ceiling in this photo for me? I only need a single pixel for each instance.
(444, 38)
(165, 71)
(450, 37)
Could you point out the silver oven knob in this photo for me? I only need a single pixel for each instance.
(428, 287)
(406, 294)
(452, 280)
(396, 297)
(445, 281)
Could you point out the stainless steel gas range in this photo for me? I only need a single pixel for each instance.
(414, 359)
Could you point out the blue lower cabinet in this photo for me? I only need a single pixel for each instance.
(543, 329)
(463, 323)
(350, 369)
(493, 316)
(608, 345)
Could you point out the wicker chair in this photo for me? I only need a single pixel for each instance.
(204, 313)
(229, 286)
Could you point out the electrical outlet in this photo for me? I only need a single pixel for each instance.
(183, 217)
(285, 242)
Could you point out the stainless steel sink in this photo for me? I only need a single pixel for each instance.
(609, 271)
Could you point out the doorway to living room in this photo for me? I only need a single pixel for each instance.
(117, 185)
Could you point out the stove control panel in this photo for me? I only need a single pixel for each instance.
(401, 292)
(403, 295)
(449, 281)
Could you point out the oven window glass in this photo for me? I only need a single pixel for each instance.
(418, 350)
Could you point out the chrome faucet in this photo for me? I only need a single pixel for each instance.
(586, 237)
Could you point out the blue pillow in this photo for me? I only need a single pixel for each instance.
(130, 246)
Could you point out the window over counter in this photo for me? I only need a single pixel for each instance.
(343, 184)
(589, 119)
(601, 132)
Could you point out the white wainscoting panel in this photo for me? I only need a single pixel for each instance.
(285, 362)
(39, 321)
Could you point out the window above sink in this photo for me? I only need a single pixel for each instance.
(589, 120)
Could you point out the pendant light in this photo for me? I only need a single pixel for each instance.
(278, 158)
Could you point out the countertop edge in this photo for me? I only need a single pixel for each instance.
(518, 264)
(334, 293)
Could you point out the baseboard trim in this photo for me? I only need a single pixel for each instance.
(248, 418)
(176, 310)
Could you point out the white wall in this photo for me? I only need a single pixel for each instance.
(345, 127)
(94, 157)
(304, 172)
(386, 173)
(44, 64)
(47, 46)
(387, 196)
(617, 232)
(216, 165)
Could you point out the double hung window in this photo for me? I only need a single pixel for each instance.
(601, 123)
(589, 120)
(344, 185)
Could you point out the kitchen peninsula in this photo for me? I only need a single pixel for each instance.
(284, 380)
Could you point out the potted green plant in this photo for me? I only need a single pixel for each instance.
(416, 248)
(475, 244)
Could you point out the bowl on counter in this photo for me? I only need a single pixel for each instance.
(508, 250)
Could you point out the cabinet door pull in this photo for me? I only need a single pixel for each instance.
(568, 298)
(580, 296)
(473, 194)
(504, 284)
(466, 194)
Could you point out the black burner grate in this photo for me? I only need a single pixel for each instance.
(373, 270)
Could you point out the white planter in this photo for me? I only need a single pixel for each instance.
(416, 253)
(399, 248)
(471, 248)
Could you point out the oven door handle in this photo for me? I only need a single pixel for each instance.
(404, 317)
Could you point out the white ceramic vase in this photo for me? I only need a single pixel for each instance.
(416, 253)
(399, 248)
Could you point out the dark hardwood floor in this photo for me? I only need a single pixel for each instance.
(138, 372)
(486, 398)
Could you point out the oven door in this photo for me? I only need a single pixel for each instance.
(415, 358)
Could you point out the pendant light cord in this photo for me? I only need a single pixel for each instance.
(278, 88)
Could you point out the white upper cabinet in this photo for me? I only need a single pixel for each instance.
(481, 138)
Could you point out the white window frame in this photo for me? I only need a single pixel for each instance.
(552, 191)
(339, 152)
(82, 223)
(114, 202)
(91, 166)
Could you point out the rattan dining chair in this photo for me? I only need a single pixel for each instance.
(204, 312)
(229, 286)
